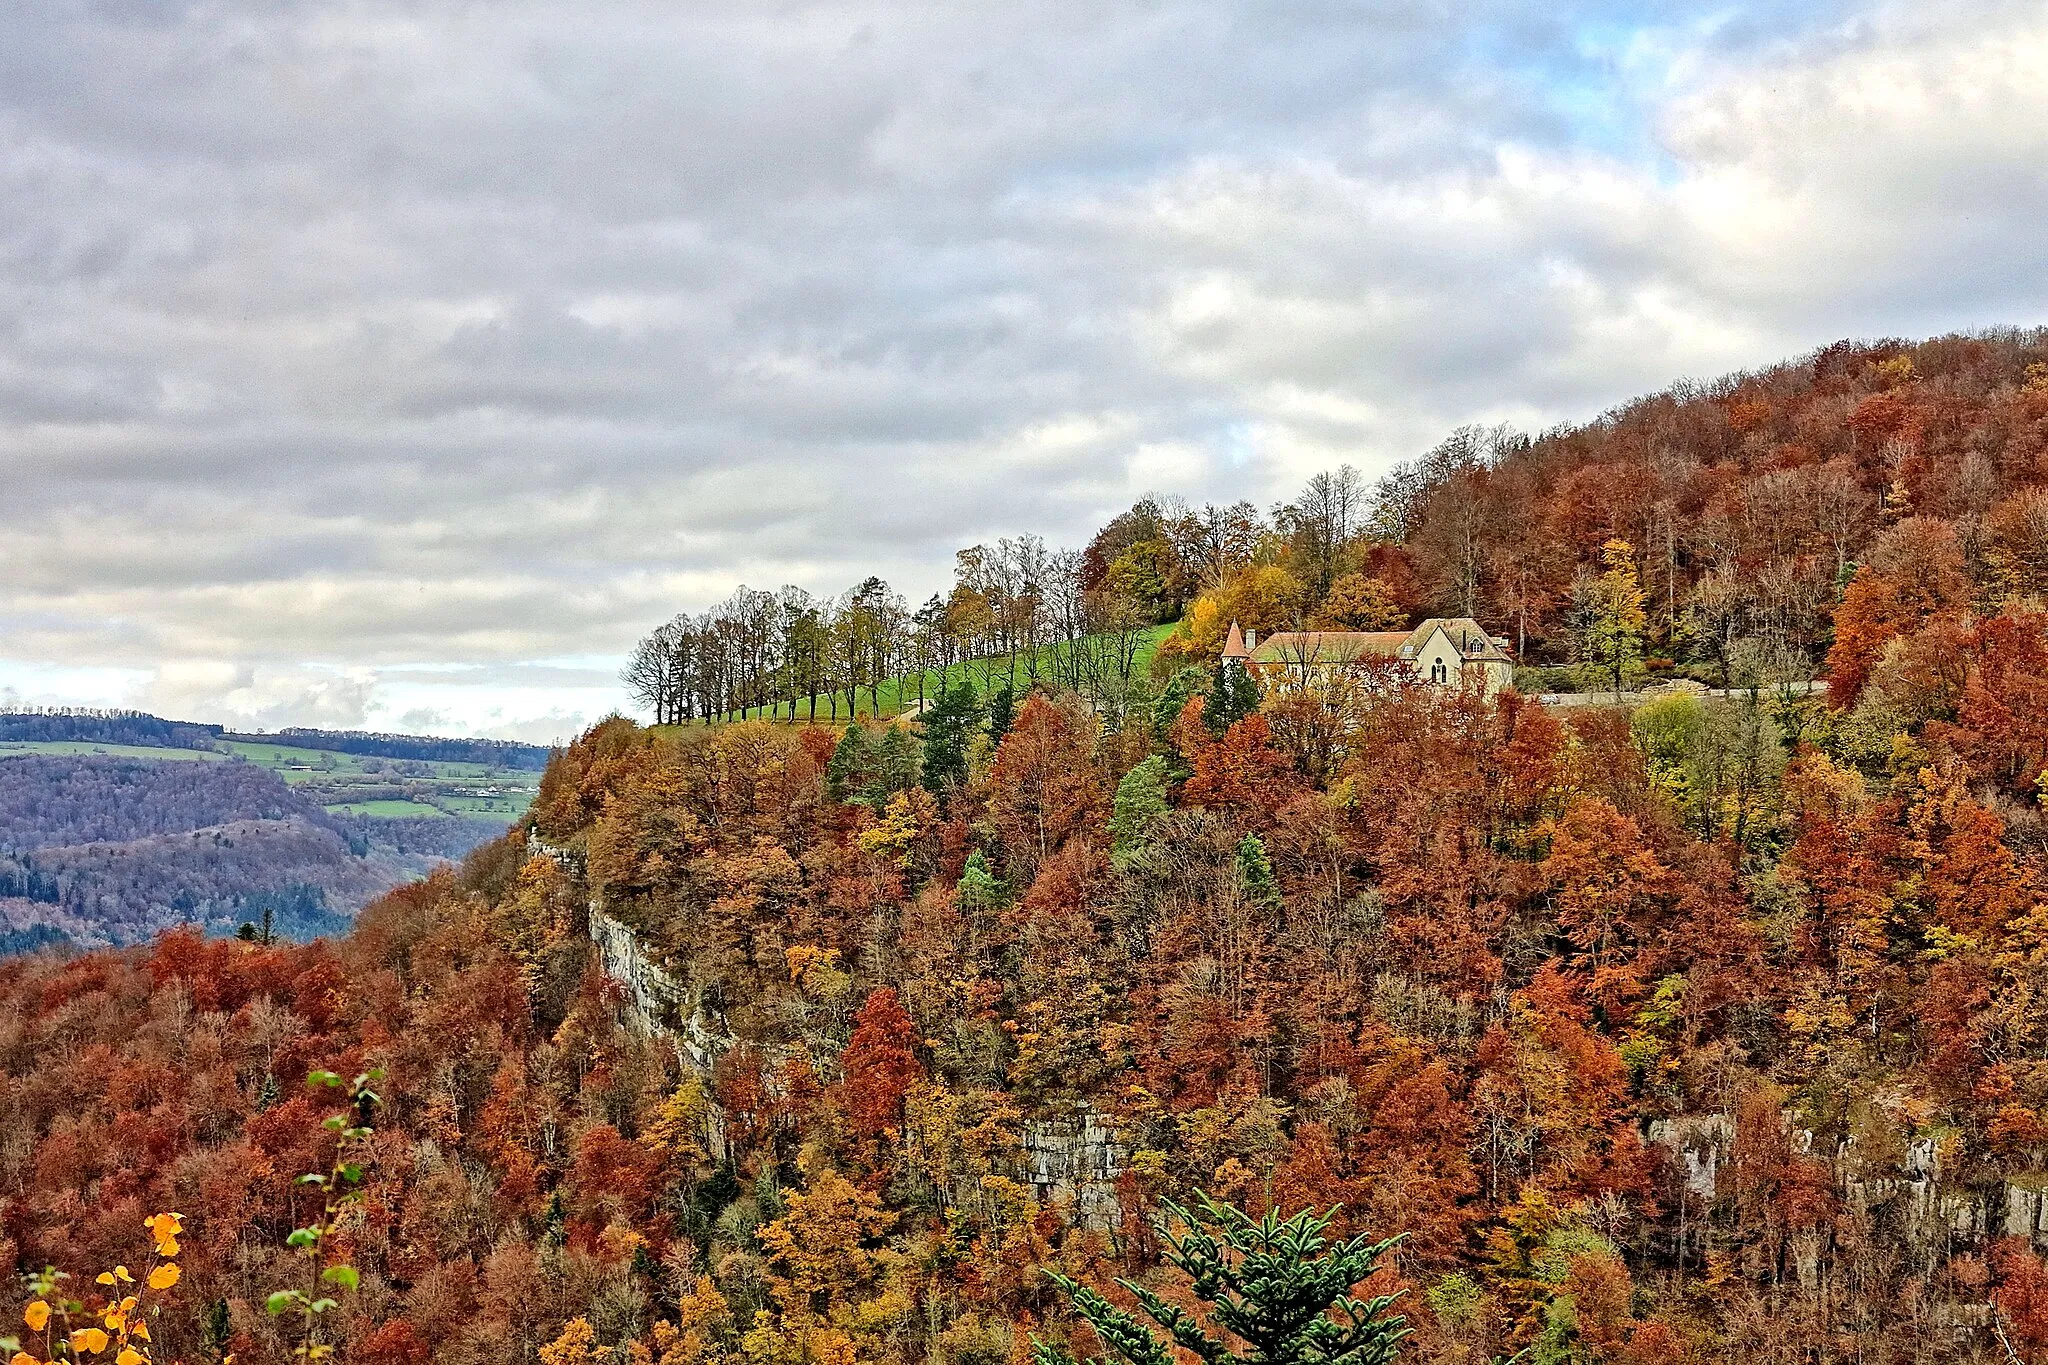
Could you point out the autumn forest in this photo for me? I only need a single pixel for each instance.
(1663, 1026)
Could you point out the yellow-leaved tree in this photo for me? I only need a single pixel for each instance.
(1612, 621)
(114, 1325)
(838, 1294)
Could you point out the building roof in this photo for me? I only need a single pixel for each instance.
(1233, 644)
(1327, 646)
(1469, 636)
(1346, 646)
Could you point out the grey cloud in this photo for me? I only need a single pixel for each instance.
(379, 335)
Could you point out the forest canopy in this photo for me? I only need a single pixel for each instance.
(97, 849)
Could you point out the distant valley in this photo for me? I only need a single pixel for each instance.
(115, 826)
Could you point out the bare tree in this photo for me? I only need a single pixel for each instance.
(1323, 520)
(651, 676)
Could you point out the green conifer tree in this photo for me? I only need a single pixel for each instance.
(1278, 1285)
(980, 890)
(1140, 800)
(218, 1330)
(1173, 695)
(846, 773)
(948, 727)
(1233, 695)
(1002, 709)
(898, 763)
(1255, 872)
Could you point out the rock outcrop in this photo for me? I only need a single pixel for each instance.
(1071, 1161)
(1912, 1189)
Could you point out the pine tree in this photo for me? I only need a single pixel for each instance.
(1140, 799)
(898, 763)
(1173, 696)
(1002, 709)
(980, 889)
(1279, 1285)
(1233, 695)
(1255, 872)
(218, 1330)
(846, 772)
(947, 727)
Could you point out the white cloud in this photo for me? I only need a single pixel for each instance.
(250, 697)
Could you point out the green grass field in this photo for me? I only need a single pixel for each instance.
(897, 693)
(87, 747)
(488, 805)
(388, 810)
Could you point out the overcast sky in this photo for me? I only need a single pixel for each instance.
(398, 364)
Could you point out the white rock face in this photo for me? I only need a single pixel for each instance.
(1934, 1209)
(1072, 1163)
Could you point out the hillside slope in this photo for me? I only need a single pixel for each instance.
(1723, 521)
(1705, 1031)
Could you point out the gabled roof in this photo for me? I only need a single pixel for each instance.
(1327, 646)
(1470, 638)
(1466, 635)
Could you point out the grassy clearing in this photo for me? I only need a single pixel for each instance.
(388, 810)
(74, 747)
(508, 805)
(986, 674)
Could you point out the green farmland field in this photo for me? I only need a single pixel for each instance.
(309, 765)
(388, 810)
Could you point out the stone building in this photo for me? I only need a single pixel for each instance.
(1442, 652)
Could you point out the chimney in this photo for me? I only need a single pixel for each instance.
(1251, 641)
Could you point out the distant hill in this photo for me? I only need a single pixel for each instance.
(113, 849)
(74, 725)
(496, 753)
(48, 802)
(82, 725)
